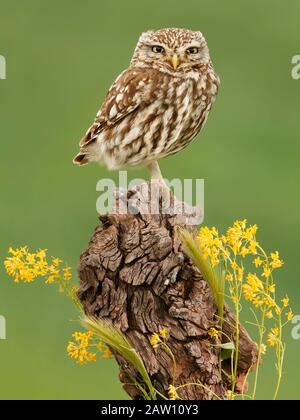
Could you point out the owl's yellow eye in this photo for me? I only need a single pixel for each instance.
(158, 49)
(192, 50)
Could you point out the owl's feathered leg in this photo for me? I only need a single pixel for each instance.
(155, 171)
(156, 176)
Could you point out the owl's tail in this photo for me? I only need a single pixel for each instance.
(89, 150)
(81, 159)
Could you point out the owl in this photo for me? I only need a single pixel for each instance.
(157, 106)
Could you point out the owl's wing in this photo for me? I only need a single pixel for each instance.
(132, 89)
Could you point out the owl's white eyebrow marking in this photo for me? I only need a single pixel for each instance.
(113, 112)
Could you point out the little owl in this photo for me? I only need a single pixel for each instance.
(157, 105)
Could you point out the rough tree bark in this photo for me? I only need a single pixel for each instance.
(135, 274)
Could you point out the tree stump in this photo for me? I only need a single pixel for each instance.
(136, 275)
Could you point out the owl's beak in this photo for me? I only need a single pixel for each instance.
(175, 61)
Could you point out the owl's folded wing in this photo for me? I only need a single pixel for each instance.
(132, 89)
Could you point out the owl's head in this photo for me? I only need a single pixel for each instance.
(173, 50)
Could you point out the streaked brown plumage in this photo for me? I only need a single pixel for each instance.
(157, 106)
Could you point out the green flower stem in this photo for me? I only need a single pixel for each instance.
(261, 335)
(280, 357)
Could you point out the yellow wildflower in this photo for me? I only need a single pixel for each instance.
(155, 340)
(269, 302)
(276, 262)
(234, 299)
(41, 254)
(253, 290)
(240, 273)
(50, 279)
(213, 333)
(229, 276)
(272, 288)
(290, 315)
(67, 273)
(172, 393)
(30, 258)
(234, 265)
(258, 262)
(241, 223)
(273, 337)
(285, 301)
(26, 266)
(250, 233)
(255, 282)
(263, 349)
(79, 350)
(236, 247)
(277, 310)
(249, 294)
(257, 302)
(269, 315)
(253, 247)
(230, 395)
(210, 244)
(244, 251)
(267, 272)
(107, 354)
(163, 332)
(224, 239)
(56, 261)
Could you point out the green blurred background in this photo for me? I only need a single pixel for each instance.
(61, 58)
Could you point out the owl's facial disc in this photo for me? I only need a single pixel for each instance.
(172, 50)
(179, 57)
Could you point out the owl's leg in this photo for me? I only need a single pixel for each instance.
(155, 171)
(156, 176)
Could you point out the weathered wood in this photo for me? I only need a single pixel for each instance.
(135, 274)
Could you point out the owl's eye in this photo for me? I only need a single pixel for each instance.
(192, 50)
(158, 49)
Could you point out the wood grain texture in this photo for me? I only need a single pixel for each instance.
(135, 274)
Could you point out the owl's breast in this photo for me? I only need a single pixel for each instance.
(175, 112)
(194, 102)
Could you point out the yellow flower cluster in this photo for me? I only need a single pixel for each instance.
(210, 244)
(230, 395)
(172, 393)
(213, 333)
(25, 266)
(273, 337)
(263, 349)
(258, 288)
(239, 240)
(261, 291)
(156, 339)
(80, 349)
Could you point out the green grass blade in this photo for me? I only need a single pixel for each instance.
(116, 340)
(215, 277)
